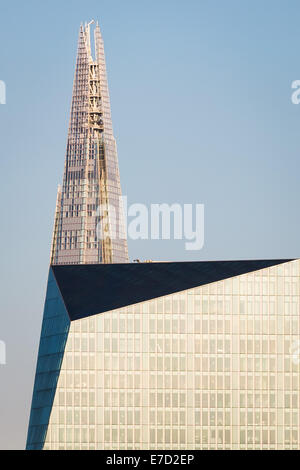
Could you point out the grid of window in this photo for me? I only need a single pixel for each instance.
(214, 367)
(91, 175)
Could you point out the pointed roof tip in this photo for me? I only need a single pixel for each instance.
(85, 24)
(97, 28)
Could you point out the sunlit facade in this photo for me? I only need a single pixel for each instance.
(215, 366)
(89, 226)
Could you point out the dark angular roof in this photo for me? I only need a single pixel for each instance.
(97, 288)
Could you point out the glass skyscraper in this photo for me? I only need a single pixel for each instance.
(178, 355)
(89, 225)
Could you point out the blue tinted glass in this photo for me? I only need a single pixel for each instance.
(55, 329)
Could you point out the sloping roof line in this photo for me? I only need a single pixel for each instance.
(96, 288)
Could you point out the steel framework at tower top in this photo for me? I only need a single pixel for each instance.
(89, 225)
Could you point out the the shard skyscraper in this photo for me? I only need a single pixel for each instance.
(89, 225)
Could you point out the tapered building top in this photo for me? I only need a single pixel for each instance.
(89, 225)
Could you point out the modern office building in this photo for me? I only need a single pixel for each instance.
(179, 355)
(201, 355)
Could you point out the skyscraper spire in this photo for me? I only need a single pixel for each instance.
(89, 226)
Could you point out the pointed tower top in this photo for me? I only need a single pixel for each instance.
(91, 145)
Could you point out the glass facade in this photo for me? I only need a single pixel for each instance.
(54, 335)
(212, 367)
(83, 233)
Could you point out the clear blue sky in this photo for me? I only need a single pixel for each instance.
(202, 112)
